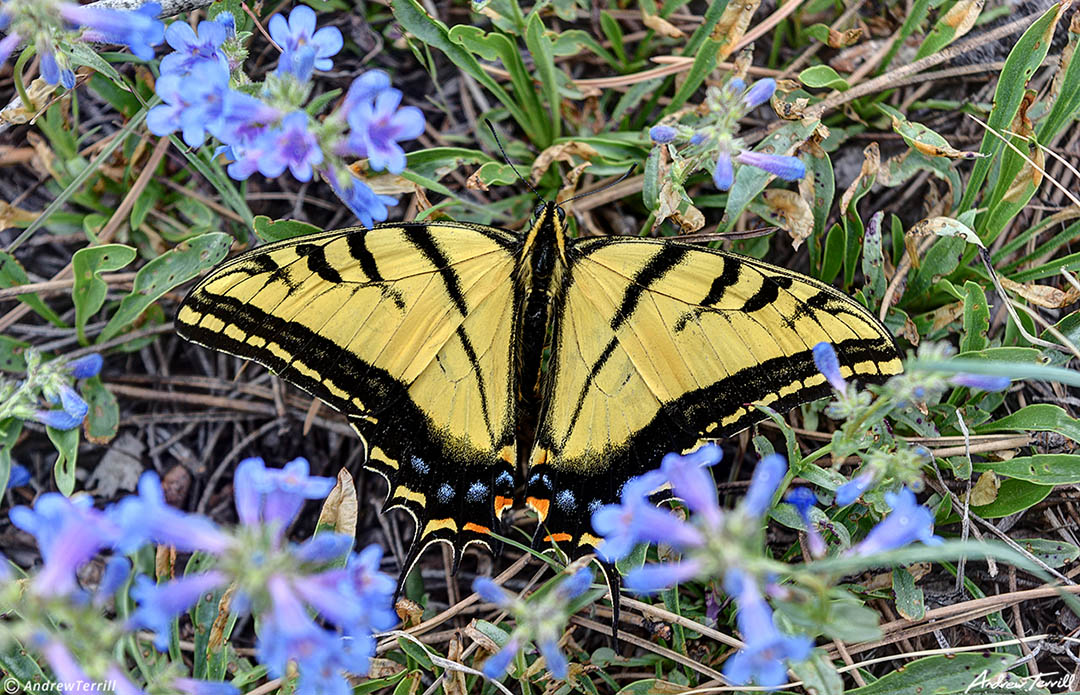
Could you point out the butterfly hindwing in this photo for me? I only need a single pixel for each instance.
(406, 329)
(659, 344)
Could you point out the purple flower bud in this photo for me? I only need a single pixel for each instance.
(736, 85)
(491, 592)
(497, 664)
(8, 44)
(779, 165)
(323, 547)
(652, 578)
(984, 382)
(759, 93)
(827, 363)
(18, 476)
(662, 133)
(691, 483)
(159, 604)
(117, 569)
(137, 29)
(86, 366)
(574, 585)
(908, 522)
(854, 488)
(767, 477)
(724, 172)
(148, 517)
(698, 138)
(553, 658)
(804, 499)
(72, 403)
(57, 419)
(275, 496)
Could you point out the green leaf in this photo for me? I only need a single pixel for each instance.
(18, 665)
(9, 434)
(83, 54)
(1024, 58)
(12, 354)
(947, 28)
(434, 33)
(833, 258)
(544, 59)
(1038, 417)
(650, 186)
(89, 290)
(277, 230)
(818, 674)
(1054, 553)
(1044, 469)
(941, 260)
(976, 318)
(873, 261)
(103, 417)
(67, 454)
(1013, 496)
(172, 268)
(909, 595)
(1067, 104)
(822, 76)
(13, 275)
(933, 675)
(614, 34)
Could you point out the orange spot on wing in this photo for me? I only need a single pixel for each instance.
(501, 504)
(559, 537)
(470, 526)
(539, 506)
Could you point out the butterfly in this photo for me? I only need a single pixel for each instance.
(463, 353)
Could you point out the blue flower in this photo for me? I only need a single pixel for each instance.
(368, 206)
(652, 578)
(18, 476)
(804, 499)
(854, 488)
(377, 125)
(191, 49)
(760, 92)
(55, 70)
(662, 133)
(724, 172)
(195, 104)
(148, 517)
(8, 44)
(575, 585)
(299, 32)
(86, 366)
(69, 674)
(491, 592)
(692, 484)
(364, 88)
(780, 165)
(159, 604)
(499, 662)
(288, 633)
(274, 496)
(190, 686)
(357, 598)
(323, 547)
(68, 532)
(117, 569)
(296, 147)
(906, 523)
(984, 382)
(828, 364)
(57, 419)
(636, 520)
(137, 29)
(764, 658)
(768, 474)
(553, 658)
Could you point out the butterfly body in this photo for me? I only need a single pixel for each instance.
(462, 354)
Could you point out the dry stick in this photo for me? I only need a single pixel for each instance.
(668, 616)
(51, 286)
(110, 228)
(649, 646)
(886, 81)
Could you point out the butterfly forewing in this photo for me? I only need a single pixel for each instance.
(658, 345)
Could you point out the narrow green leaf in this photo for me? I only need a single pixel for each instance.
(1043, 469)
(544, 59)
(910, 602)
(976, 318)
(12, 274)
(277, 230)
(1038, 417)
(704, 64)
(934, 675)
(67, 454)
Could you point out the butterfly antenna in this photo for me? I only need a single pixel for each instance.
(507, 159)
(616, 182)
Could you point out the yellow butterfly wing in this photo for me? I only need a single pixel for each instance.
(408, 330)
(657, 345)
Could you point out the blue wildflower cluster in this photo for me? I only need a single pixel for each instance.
(717, 543)
(63, 408)
(540, 620)
(266, 127)
(317, 603)
(712, 140)
(887, 461)
(51, 26)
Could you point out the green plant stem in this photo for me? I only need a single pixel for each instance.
(17, 71)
